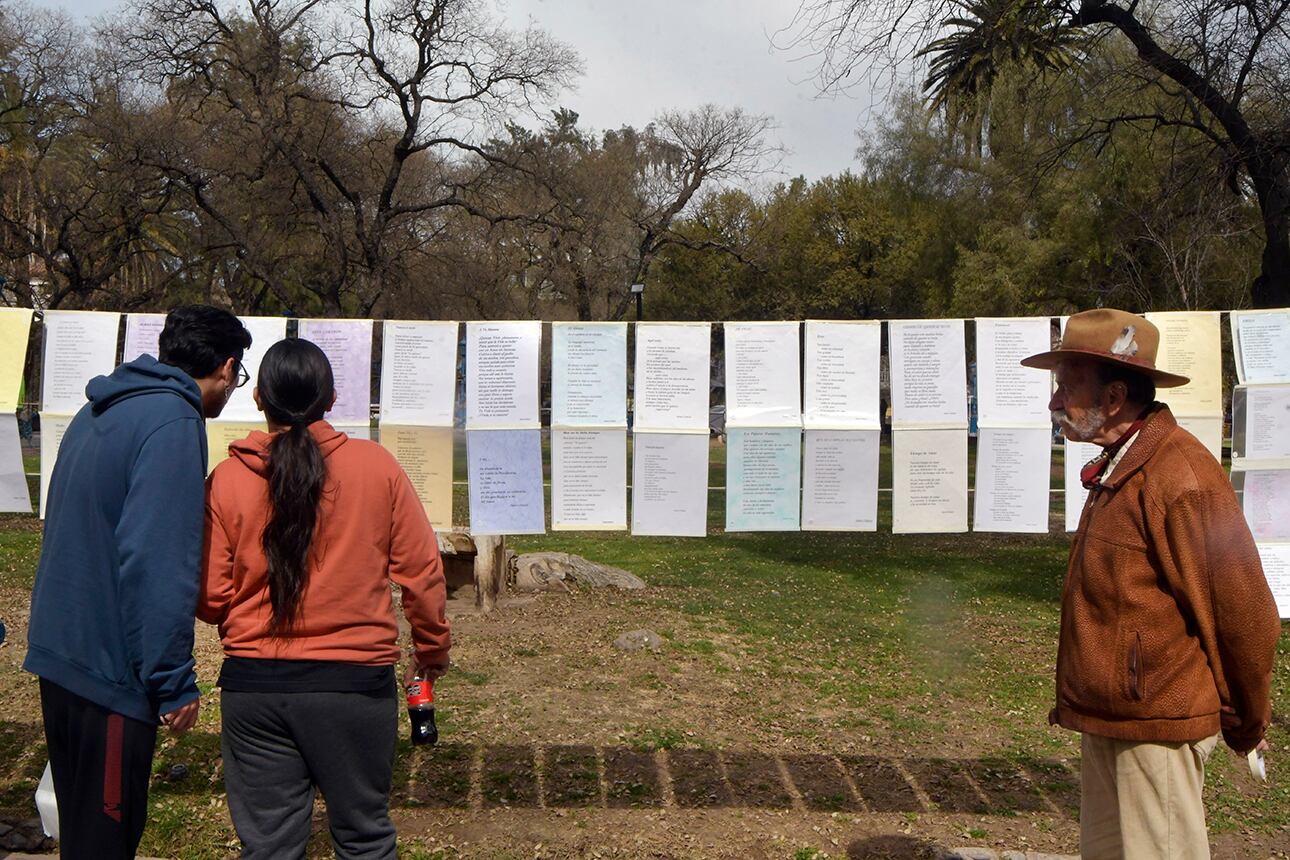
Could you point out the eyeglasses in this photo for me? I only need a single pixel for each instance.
(242, 376)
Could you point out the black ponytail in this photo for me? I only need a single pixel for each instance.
(295, 386)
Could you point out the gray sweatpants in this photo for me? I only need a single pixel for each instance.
(279, 746)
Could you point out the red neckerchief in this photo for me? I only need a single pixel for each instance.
(1091, 475)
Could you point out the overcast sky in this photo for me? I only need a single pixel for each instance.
(645, 57)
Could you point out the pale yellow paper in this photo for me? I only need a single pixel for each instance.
(1191, 344)
(15, 329)
(425, 453)
(220, 433)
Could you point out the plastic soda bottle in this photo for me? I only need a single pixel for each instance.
(421, 710)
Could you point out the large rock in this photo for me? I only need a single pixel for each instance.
(552, 571)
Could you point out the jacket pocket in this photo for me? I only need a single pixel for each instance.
(1134, 669)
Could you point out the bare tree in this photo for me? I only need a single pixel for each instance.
(1185, 234)
(364, 125)
(82, 218)
(678, 155)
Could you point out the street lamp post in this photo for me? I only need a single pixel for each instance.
(639, 291)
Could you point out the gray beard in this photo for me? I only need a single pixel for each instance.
(1080, 431)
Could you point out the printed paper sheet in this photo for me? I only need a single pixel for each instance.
(763, 479)
(843, 363)
(142, 331)
(418, 373)
(356, 431)
(670, 484)
(1276, 567)
(15, 497)
(506, 491)
(840, 480)
(348, 345)
(763, 374)
(221, 434)
(1260, 420)
(1191, 344)
(79, 345)
(588, 374)
(1012, 480)
(15, 331)
(1208, 430)
(1077, 454)
(672, 377)
(1261, 341)
(52, 429)
(588, 479)
(265, 332)
(1009, 395)
(502, 374)
(1265, 497)
(929, 481)
(928, 373)
(425, 454)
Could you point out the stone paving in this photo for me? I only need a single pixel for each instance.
(991, 854)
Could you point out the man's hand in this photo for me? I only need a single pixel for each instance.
(184, 718)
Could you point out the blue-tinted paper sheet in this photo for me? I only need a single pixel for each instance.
(589, 374)
(505, 472)
(764, 480)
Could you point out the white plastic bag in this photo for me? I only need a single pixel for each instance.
(47, 804)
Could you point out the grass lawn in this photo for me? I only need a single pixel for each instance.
(807, 647)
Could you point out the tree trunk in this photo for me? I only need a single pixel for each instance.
(583, 291)
(1271, 288)
(490, 557)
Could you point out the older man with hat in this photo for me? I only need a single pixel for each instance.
(1168, 627)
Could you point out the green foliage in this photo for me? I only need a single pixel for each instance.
(1029, 213)
(990, 36)
(253, 184)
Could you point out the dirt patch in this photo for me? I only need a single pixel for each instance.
(572, 776)
(440, 777)
(697, 781)
(947, 785)
(882, 785)
(632, 779)
(509, 777)
(820, 782)
(1058, 782)
(755, 780)
(1006, 787)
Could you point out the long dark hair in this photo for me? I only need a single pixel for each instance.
(295, 386)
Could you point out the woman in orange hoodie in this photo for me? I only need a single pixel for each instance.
(305, 530)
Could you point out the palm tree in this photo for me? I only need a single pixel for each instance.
(991, 37)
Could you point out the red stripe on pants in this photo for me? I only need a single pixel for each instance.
(112, 767)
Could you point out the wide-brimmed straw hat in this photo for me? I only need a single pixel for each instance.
(1113, 337)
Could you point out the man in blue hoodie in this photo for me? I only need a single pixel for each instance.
(111, 633)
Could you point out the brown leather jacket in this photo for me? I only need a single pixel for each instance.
(1168, 627)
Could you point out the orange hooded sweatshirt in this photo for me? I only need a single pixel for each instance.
(372, 529)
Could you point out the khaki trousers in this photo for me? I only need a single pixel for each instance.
(1142, 800)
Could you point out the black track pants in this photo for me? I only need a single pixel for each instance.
(101, 763)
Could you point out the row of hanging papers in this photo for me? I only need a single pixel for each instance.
(803, 417)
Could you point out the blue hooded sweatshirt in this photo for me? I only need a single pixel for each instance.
(116, 589)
